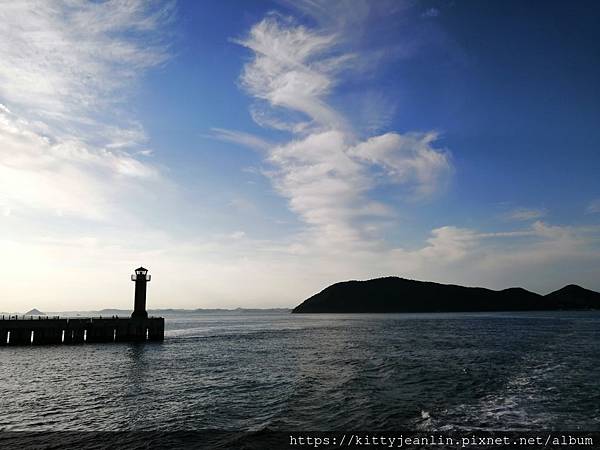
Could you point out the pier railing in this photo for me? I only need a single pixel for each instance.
(30, 317)
(27, 317)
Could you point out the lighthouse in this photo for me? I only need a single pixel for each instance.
(140, 277)
(28, 330)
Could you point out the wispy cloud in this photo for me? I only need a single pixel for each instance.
(65, 59)
(327, 170)
(525, 214)
(244, 139)
(66, 176)
(293, 68)
(67, 142)
(593, 207)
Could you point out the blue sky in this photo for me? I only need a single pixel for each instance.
(252, 153)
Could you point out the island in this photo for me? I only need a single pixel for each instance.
(400, 295)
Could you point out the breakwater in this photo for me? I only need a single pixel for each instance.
(56, 330)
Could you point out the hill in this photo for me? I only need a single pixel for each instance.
(393, 295)
(575, 297)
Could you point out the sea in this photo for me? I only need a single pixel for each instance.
(281, 371)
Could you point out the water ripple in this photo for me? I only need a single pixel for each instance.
(324, 372)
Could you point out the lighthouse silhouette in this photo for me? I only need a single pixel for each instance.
(141, 278)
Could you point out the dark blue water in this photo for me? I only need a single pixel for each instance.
(318, 372)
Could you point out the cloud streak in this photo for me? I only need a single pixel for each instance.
(65, 58)
(244, 139)
(593, 207)
(327, 170)
(61, 176)
(524, 214)
(65, 68)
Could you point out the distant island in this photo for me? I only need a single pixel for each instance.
(400, 295)
(165, 312)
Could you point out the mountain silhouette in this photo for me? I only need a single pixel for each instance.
(575, 297)
(393, 294)
(35, 312)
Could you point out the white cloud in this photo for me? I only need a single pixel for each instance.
(448, 244)
(67, 58)
(241, 138)
(289, 69)
(62, 65)
(593, 207)
(525, 214)
(278, 121)
(324, 185)
(327, 170)
(408, 158)
(47, 175)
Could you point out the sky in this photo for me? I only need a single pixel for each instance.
(249, 154)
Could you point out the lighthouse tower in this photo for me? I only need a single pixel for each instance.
(140, 277)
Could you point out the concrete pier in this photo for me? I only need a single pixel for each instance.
(43, 330)
(46, 331)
